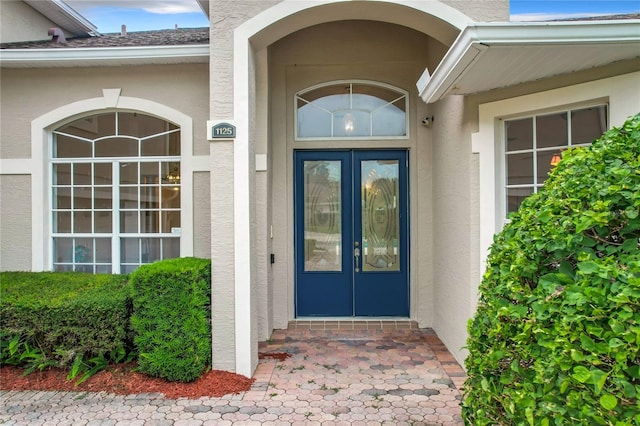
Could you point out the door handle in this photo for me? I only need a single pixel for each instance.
(356, 253)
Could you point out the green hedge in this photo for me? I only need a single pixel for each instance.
(63, 317)
(172, 318)
(556, 337)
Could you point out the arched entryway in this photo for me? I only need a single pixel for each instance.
(268, 68)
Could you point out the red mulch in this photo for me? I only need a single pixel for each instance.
(280, 356)
(121, 379)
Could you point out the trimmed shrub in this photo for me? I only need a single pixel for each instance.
(58, 319)
(556, 337)
(172, 318)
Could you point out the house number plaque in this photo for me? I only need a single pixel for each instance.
(223, 131)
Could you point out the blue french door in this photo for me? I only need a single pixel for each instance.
(351, 241)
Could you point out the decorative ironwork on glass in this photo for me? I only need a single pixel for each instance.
(351, 110)
(322, 216)
(380, 215)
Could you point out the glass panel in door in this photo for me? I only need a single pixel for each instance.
(380, 219)
(322, 216)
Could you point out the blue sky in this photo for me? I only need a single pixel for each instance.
(544, 10)
(141, 15)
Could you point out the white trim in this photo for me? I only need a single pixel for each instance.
(41, 142)
(477, 38)
(88, 56)
(16, 166)
(620, 92)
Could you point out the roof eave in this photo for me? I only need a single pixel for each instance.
(61, 57)
(476, 39)
(65, 16)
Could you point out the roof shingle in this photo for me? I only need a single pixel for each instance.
(177, 37)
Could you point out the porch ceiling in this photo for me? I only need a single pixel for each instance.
(490, 56)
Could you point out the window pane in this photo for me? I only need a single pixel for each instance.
(62, 222)
(82, 174)
(92, 127)
(127, 269)
(117, 147)
(588, 124)
(382, 94)
(149, 197)
(103, 198)
(544, 164)
(170, 248)
(129, 197)
(170, 172)
(82, 198)
(63, 268)
(103, 222)
(63, 250)
(519, 134)
(164, 145)
(82, 222)
(62, 198)
(519, 169)
(83, 250)
(149, 173)
(62, 174)
(130, 250)
(102, 174)
(351, 124)
(140, 125)
(103, 269)
(150, 250)
(67, 147)
(149, 221)
(128, 173)
(515, 196)
(389, 121)
(170, 220)
(313, 122)
(129, 222)
(103, 250)
(170, 197)
(551, 130)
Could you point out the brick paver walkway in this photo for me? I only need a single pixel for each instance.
(333, 377)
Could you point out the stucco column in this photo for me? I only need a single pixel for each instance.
(222, 256)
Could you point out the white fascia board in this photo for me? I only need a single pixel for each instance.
(477, 38)
(101, 55)
(79, 19)
(463, 52)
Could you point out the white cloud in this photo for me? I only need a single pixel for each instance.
(540, 17)
(161, 7)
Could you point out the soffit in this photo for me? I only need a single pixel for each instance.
(491, 56)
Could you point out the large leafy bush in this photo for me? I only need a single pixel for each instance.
(556, 337)
(172, 318)
(63, 319)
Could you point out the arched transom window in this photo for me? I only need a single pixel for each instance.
(351, 110)
(115, 193)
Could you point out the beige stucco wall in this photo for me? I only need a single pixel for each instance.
(20, 22)
(29, 93)
(15, 222)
